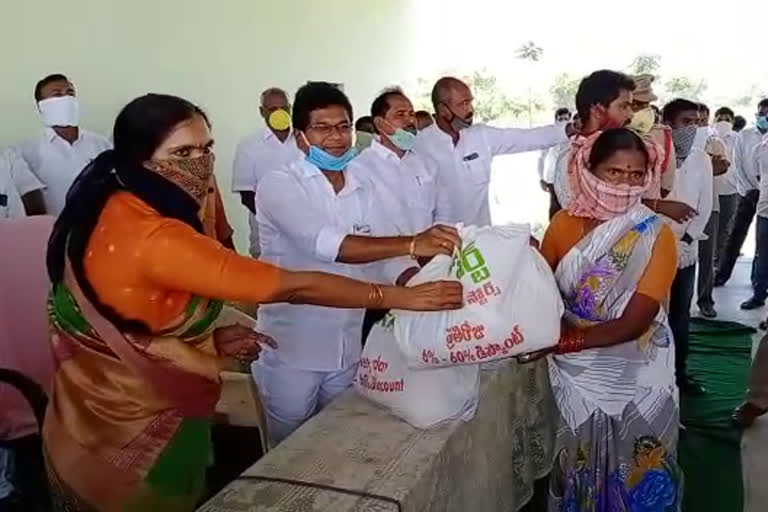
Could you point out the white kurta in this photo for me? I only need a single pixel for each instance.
(464, 170)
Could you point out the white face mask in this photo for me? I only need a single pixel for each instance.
(60, 111)
(723, 128)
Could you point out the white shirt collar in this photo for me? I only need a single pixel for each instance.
(50, 135)
(310, 171)
(268, 134)
(434, 131)
(383, 151)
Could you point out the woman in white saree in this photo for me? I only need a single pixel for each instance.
(613, 370)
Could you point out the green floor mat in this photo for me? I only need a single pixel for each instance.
(710, 452)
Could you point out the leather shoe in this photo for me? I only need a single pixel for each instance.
(691, 386)
(746, 414)
(752, 303)
(708, 311)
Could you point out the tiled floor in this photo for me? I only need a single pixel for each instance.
(755, 441)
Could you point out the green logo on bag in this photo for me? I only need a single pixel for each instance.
(471, 261)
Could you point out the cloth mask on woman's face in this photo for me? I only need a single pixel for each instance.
(326, 161)
(643, 121)
(279, 120)
(683, 138)
(192, 175)
(60, 111)
(723, 128)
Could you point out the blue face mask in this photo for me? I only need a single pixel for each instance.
(403, 139)
(762, 123)
(326, 161)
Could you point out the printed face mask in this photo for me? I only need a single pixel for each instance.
(192, 175)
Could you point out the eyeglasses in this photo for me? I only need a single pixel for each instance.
(325, 130)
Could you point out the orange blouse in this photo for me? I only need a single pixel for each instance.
(147, 267)
(565, 231)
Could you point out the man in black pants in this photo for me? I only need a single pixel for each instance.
(747, 183)
(693, 186)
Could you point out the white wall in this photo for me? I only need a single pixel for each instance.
(217, 53)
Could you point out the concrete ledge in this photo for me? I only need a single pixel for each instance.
(487, 464)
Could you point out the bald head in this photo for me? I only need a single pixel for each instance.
(452, 100)
(446, 87)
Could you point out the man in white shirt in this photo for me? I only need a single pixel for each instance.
(21, 193)
(603, 101)
(313, 215)
(760, 265)
(262, 152)
(547, 162)
(402, 182)
(710, 142)
(462, 152)
(57, 158)
(403, 185)
(693, 186)
(747, 186)
(725, 185)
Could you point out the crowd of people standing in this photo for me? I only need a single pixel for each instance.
(640, 196)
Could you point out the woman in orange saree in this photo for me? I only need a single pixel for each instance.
(138, 280)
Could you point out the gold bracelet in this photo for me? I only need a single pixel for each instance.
(375, 296)
(412, 249)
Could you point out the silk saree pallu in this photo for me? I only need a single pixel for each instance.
(127, 428)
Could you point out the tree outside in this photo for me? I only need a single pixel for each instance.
(563, 91)
(645, 64)
(531, 53)
(685, 87)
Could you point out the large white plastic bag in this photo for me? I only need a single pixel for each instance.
(511, 303)
(423, 398)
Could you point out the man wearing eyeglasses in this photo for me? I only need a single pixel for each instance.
(463, 152)
(313, 215)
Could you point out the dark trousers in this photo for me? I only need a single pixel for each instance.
(745, 212)
(680, 315)
(707, 247)
(760, 263)
(728, 205)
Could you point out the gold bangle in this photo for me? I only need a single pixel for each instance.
(412, 249)
(375, 296)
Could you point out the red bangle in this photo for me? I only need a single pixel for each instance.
(571, 340)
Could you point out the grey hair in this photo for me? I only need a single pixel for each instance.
(270, 92)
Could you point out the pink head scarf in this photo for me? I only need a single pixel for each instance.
(24, 340)
(597, 199)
